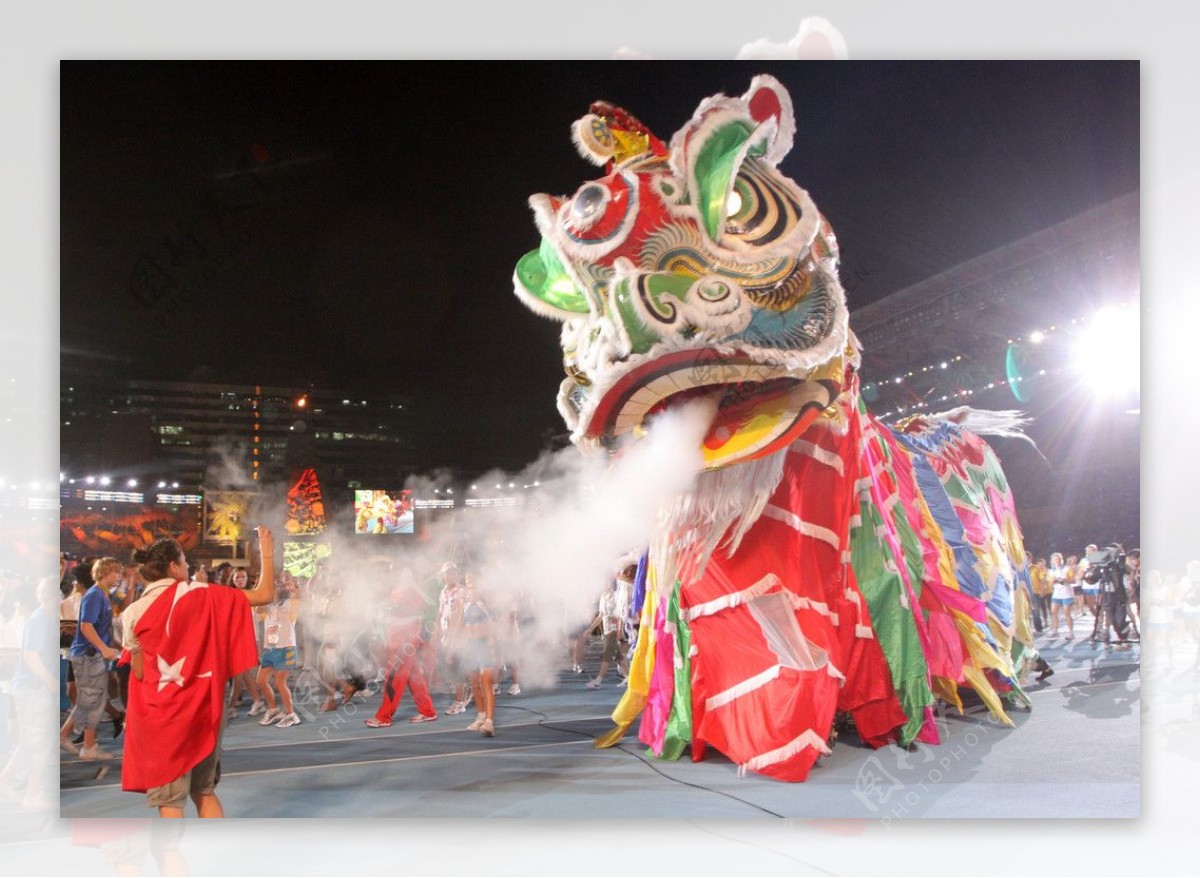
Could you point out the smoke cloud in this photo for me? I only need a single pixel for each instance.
(544, 560)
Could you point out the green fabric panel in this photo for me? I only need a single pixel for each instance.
(895, 627)
(543, 276)
(716, 164)
(640, 335)
(910, 542)
(679, 723)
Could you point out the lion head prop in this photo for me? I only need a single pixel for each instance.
(835, 566)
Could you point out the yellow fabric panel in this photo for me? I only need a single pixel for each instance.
(641, 666)
(983, 656)
(1022, 617)
(947, 690)
(980, 684)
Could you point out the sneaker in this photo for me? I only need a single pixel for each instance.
(487, 729)
(1049, 672)
(456, 707)
(480, 719)
(514, 689)
(423, 718)
(118, 726)
(576, 669)
(376, 723)
(257, 708)
(271, 717)
(94, 755)
(230, 713)
(290, 720)
(78, 739)
(593, 683)
(495, 688)
(68, 747)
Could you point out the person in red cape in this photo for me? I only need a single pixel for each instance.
(184, 640)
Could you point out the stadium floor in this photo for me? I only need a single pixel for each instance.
(541, 763)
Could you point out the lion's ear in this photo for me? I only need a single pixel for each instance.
(768, 100)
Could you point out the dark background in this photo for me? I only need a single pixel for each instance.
(355, 225)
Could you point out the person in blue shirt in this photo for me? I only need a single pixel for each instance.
(90, 654)
(33, 686)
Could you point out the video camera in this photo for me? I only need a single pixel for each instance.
(1110, 559)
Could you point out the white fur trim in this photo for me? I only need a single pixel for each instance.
(802, 603)
(782, 144)
(817, 453)
(787, 751)
(586, 145)
(743, 688)
(807, 528)
(734, 599)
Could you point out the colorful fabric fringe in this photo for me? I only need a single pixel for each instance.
(885, 573)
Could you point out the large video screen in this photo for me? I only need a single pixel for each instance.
(383, 512)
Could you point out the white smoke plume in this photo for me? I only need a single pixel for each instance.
(546, 559)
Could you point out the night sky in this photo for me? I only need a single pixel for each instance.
(356, 225)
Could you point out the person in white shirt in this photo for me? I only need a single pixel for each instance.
(614, 607)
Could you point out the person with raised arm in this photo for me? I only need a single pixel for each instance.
(184, 641)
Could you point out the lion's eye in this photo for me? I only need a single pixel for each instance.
(589, 203)
(733, 204)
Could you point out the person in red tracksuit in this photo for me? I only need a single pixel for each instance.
(405, 609)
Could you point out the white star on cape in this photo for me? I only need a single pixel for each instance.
(170, 673)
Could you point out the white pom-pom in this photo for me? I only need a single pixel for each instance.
(593, 139)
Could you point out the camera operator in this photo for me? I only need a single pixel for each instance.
(1108, 568)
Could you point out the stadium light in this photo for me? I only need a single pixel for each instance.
(1107, 354)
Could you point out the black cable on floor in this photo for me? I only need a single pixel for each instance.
(645, 762)
(686, 783)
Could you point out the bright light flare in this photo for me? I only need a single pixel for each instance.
(1107, 354)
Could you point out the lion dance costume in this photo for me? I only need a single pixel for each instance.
(826, 564)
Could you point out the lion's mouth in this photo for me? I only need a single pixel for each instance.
(758, 409)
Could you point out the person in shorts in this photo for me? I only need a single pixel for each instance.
(279, 657)
(91, 651)
(170, 768)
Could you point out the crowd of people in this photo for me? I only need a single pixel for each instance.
(1099, 588)
(388, 634)
(375, 630)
